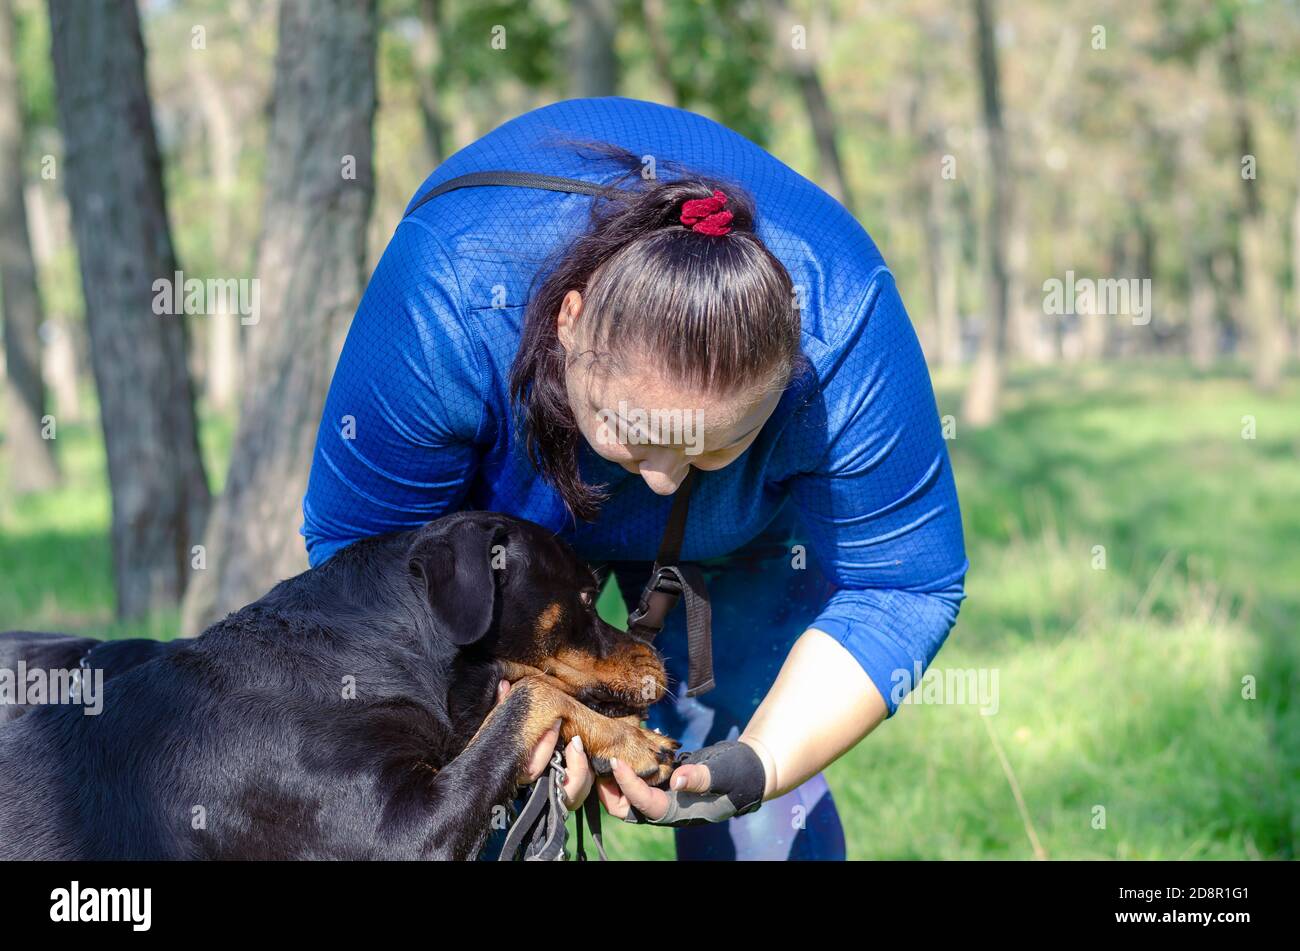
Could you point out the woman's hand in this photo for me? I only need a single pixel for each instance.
(821, 705)
(712, 785)
(577, 768)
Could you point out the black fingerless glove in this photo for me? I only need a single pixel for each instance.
(736, 783)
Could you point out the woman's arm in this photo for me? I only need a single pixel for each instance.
(400, 436)
(821, 705)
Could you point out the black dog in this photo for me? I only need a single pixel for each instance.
(348, 714)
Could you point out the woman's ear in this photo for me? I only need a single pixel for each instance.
(566, 322)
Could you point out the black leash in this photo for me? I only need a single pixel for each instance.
(539, 829)
(538, 834)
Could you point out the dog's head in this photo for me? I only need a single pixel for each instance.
(513, 590)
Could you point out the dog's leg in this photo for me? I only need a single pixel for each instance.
(604, 738)
(486, 773)
(649, 754)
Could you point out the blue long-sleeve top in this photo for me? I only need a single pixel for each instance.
(418, 421)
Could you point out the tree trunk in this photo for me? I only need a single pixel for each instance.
(61, 370)
(943, 259)
(311, 265)
(428, 65)
(113, 177)
(653, 15)
(1024, 322)
(1268, 339)
(31, 462)
(830, 164)
(1295, 242)
(1202, 336)
(61, 338)
(1227, 285)
(592, 26)
(221, 379)
(1202, 330)
(1259, 275)
(940, 247)
(984, 393)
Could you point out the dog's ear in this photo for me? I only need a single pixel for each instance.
(456, 568)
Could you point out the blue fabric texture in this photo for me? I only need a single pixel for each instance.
(418, 421)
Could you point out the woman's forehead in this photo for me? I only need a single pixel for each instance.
(649, 391)
(651, 402)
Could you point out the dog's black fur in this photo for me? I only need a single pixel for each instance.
(244, 743)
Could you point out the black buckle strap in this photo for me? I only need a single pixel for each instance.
(699, 631)
(658, 598)
(671, 581)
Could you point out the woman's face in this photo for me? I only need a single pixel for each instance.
(633, 416)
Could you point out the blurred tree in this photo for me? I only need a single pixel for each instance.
(31, 457)
(706, 57)
(430, 76)
(1234, 55)
(63, 334)
(210, 83)
(113, 176)
(1258, 240)
(933, 190)
(792, 37)
(983, 395)
(1295, 223)
(311, 260)
(221, 134)
(653, 16)
(494, 52)
(593, 64)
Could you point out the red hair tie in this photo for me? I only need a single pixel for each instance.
(706, 216)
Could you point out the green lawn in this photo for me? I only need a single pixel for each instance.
(1121, 688)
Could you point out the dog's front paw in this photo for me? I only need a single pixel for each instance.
(649, 754)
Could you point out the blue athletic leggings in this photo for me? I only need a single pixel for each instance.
(761, 604)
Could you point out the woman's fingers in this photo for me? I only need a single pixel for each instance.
(649, 801)
(692, 777)
(577, 774)
(611, 797)
(503, 690)
(541, 755)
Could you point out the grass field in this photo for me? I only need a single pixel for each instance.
(1160, 692)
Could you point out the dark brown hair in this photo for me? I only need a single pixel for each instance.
(717, 313)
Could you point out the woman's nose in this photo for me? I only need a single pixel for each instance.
(664, 471)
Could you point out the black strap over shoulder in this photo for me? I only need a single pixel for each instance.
(550, 183)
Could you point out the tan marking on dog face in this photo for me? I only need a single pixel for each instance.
(548, 619)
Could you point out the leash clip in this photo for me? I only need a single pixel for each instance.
(658, 598)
